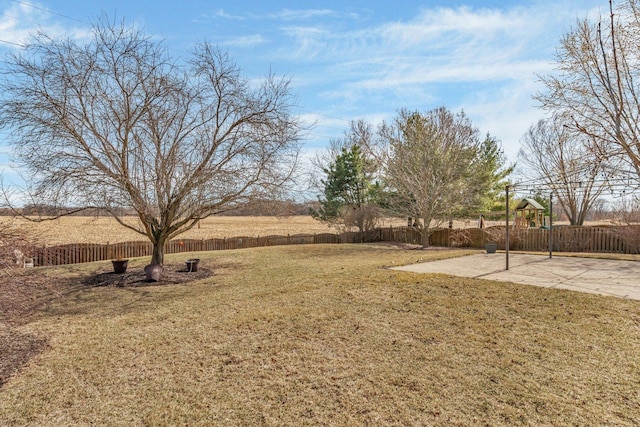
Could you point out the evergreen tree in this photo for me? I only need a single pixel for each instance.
(350, 193)
(494, 172)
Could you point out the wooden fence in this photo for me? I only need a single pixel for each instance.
(89, 252)
(565, 239)
(610, 239)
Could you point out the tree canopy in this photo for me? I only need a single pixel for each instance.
(437, 167)
(116, 122)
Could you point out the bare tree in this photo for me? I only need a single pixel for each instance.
(433, 166)
(626, 211)
(626, 215)
(558, 156)
(597, 83)
(118, 123)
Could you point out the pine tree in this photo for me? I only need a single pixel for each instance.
(349, 195)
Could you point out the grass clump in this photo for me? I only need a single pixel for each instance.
(326, 335)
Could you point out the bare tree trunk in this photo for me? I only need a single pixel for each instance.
(425, 237)
(158, 250)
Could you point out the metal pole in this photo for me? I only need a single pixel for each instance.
(506, 240)
(550, 225)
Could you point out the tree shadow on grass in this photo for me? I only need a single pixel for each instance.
(26, 293)
(16, 351)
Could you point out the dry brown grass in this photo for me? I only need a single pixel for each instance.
(325, 335)
(78, 229)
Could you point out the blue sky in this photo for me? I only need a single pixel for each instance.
(354, 59)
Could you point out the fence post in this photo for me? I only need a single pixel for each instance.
(550, 225)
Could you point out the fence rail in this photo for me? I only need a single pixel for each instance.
(604, 239)
(565, 239)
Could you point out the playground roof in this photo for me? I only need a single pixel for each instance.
(529, 204)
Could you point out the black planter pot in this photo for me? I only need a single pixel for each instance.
(491, 248)
(192, 265)
(120, 265)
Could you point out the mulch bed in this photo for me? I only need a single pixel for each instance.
(174, 274)
(22, 294)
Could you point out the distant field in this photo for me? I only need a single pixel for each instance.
(106, 229)
(83, 229)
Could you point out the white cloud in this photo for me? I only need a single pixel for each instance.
(17, 22)
(310, 43)
(222, 14)
(304, 14)
(506, 112)
(450, 71)
(406, 63)
(244, 41)
(20, 21)
(446, 27)
(484, 61)
(439, 36)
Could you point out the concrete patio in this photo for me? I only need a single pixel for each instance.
(599, 276)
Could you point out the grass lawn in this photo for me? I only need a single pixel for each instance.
(325, 335)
